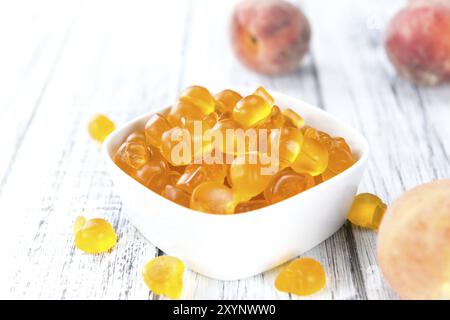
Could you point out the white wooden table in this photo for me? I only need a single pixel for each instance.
(60, 62)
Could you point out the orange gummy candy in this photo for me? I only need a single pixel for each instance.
(251, 205)
(199, 97)
(287, 183)
(313, 158)
(293, 118)
(176, 195)
(226, 100)
(156, 125)
(247, 179)
(251, 110)
(213, 197)
(302, 277)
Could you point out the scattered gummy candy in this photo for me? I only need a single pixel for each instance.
(100, 126)
(94, 236)
(302, 277)
(164, 276)
(367, 211)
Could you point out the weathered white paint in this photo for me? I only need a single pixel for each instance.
(59, 66)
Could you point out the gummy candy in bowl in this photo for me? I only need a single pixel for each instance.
(236, 246)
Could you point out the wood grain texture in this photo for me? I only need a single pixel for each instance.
(125, 58)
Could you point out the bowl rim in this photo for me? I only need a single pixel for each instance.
(271, 209)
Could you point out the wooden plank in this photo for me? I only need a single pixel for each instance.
(117, 65)
(27, 62)
(361, 87)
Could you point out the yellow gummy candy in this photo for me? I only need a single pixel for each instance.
(100, 126)
(94, 236)
(302, 277)
(164, 276)
(367, 211)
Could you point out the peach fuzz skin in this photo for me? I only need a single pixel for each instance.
(414, 242)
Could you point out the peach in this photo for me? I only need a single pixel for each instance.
(414, 242)
(269, 36)
(418, 41)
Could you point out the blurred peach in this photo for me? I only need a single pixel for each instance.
(269, 36)
(418, 41)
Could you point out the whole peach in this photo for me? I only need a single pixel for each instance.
(269, 36)
(414, 242)
(418, 41)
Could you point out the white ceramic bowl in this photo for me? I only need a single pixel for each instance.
(229, 247)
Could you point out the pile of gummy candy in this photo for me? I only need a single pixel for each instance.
(307, 156)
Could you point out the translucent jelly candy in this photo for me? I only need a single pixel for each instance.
(164, 276)
(153, 176)
(229, 144)
(225, 115)
(286, 184)
(176, 146)
(319, 136)
(200, 142)
(216, 172)
(182, 112)
(200, 97)
(213, 197)
(226, 100)
(313, 158)
(132, 154)
(302, 277)
(148, 172)
(156, 125)
(318, 180)
(276, 118)
(341, 143)
(339, 160)
(94, 235)
(100, 127)
(193, 175)
(176, 154)
(274, 121)
(340, 155)
(367, 211)
(293, 118)
(173, 176)
(176, 195)
(251, 110)
(251, 205)
(260, 91)
(291, 141)
(247, 180)
(210, 120)
(137, 136)
(310, 132)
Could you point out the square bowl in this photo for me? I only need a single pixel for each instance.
(230, 247)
